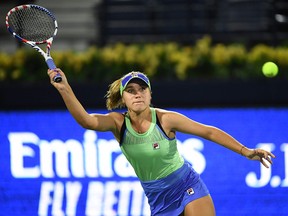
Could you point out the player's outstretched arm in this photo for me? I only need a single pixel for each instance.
(177, 122)
(98, 122)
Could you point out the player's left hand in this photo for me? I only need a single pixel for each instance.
(261, 155)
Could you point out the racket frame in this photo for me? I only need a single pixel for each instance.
(35, 45)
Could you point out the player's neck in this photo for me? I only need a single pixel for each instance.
(140, 117)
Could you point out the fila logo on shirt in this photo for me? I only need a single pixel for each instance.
(156, 146)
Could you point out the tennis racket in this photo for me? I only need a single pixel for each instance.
(34, 25)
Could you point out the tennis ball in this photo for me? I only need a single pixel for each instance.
(270, 69)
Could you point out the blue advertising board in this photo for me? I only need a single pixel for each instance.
(52, 166)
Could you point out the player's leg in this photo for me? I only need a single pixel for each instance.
(200, 207)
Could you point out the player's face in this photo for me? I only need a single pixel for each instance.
(137, 95)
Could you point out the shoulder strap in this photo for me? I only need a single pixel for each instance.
(159, 124)
(123, 128)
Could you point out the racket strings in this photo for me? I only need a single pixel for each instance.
(32, 24)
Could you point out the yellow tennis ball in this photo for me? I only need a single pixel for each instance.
(270, 69)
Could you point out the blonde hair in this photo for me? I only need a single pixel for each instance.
(113, 96)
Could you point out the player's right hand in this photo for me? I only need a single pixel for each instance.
(52, 74)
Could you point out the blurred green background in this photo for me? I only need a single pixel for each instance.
(196, 53)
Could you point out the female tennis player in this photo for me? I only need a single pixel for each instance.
(147, 137)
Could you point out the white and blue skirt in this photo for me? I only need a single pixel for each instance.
(169, 196)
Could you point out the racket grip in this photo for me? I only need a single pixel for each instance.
(52, 66)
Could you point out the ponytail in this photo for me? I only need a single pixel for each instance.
(113, 97)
